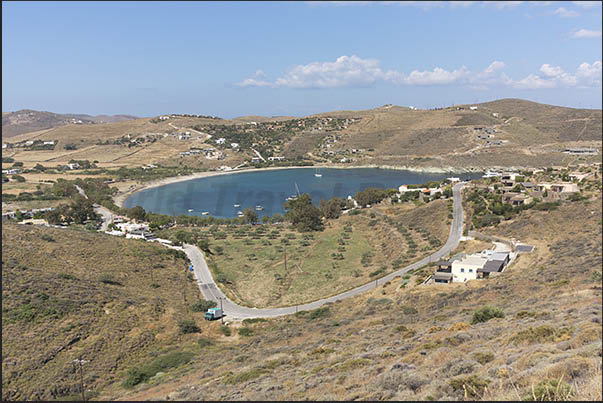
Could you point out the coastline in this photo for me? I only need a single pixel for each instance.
(120, 198)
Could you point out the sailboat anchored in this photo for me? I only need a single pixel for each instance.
(295, 196)
(317, 173)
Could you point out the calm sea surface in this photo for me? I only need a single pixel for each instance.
(218, 194)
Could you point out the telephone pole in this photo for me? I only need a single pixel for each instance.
(221, 309)
(81, 362)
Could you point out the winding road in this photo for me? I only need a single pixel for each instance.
(212, 292)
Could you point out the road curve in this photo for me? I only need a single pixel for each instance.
(212, 292)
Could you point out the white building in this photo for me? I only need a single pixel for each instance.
(73, 165)
(221, 140)
(429, 191)
(466, 268)
(49, 143)
(234, 145)
(29, 143)
(276, 158)
(473, 108)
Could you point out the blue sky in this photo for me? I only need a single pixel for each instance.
(295, 58)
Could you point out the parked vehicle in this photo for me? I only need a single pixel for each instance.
(213, 314)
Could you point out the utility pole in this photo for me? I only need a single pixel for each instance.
(221, 309)
(81, 363)
(285, 249)
(184, 288)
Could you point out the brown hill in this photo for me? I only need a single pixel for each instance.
(27, 120)
(521, 133)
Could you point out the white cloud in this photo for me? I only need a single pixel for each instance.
(257, 81)
(587, 75)
(585, 34)
(345, 71)
(353, 71)
(496, 65)
(590, 74)
(565, 13)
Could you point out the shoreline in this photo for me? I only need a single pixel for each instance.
(120, 198)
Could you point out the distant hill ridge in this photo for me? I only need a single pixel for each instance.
(29, 120)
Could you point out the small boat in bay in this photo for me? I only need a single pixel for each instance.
(259, 208)
(205, 213)
(237, 205)
(190, 210)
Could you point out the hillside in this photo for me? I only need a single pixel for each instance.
(27, 120)
(508, 132)
(421, 343)
(68, 294)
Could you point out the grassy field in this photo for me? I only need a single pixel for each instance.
(423, 343)
(249, 261)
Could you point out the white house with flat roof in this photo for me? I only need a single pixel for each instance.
(466, 268)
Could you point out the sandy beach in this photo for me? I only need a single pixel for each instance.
(120, 198)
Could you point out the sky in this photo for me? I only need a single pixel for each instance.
(233, 59)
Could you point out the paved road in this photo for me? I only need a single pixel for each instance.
(81, 191)
(258, 154)
(233, 311)
(98, 209)
(106, 214)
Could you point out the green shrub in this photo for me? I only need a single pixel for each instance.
(486, 313)
(202, 305)
(409, 310)
(203, 342)
(379, 271)
(320, 313)
(244, 376)
(550, 390)
(66, 276)
(254, 320)
(225, 330)
(47, 238)
(188, 326)
(108, 279)
(483, 358)
(164, 362)
(473, 385)
(245, 331)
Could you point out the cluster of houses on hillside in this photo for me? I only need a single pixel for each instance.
(464, 267)
(209, 153)
(487, 134)
(516, 191)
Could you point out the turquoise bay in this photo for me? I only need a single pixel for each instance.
(218, 195)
